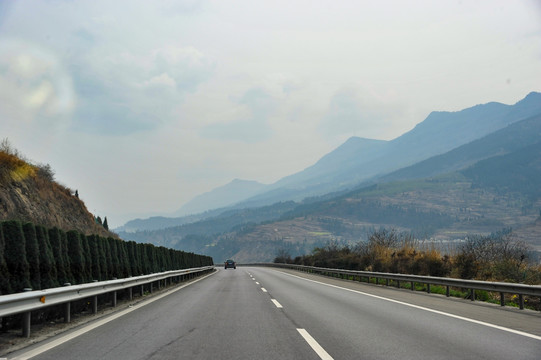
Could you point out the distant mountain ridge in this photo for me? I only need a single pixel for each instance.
(226, 195)
(480, 187)
(361, 160)
(511, 138)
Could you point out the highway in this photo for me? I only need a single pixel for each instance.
(262, 313)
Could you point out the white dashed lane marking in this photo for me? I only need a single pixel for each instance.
(315, 345)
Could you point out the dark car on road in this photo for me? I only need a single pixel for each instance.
(230, 264)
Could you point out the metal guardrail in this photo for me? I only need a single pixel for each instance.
(472, 285)
(29, 301)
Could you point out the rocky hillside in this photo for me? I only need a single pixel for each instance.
(28, 192)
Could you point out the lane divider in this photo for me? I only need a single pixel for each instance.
(323, 355)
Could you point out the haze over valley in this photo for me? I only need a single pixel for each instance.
(456, 174)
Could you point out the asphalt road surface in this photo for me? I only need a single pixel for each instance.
(261, 313)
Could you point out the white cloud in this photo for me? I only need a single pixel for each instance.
(158, 81)
(34, 85)
(136, 91)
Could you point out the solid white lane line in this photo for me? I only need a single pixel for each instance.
(425, 309)
(41, 349)
(278, 305)
(263, 289)
(315, 345)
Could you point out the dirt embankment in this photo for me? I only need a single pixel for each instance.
(28, 193)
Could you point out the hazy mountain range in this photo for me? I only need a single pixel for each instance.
(475, 170)
(358, 161)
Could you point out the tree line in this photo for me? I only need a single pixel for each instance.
(36, 257)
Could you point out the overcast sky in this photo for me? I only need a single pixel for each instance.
(141, 105)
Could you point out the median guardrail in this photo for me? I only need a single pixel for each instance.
(501, 287)
(29, 301)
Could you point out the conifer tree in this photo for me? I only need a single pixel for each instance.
(76, 256)
(153, 258)
(114, 258)
(108, 269)
(87, 256)
(124, 258)
(145, 260)
(32, 255)
(15, 255)
(135, 265)
(5, 286)
(56, 246)
(151, 264)
(103, 258)
(95, 253)
(67, 260)
(105, 224)
(47, 263)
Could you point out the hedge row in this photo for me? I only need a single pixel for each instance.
(39, 258)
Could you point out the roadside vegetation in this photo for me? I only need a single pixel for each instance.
(35, 257)
(495, 257)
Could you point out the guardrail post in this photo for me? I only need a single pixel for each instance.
(521, 301)
(114, 298)
(95, 304)
(27, 317)
(472, 294)
(447, 291)
(142, 290)
(502, 299)
(150, 287)
(428, 288)
(387, 282)
(398, 284)
(412, 286)
(67, 309)
(67, 312)
(130, 293)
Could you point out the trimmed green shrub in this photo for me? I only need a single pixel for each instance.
(107, 270)
(96, 256)
(5, 286)
(32, 255)
(15, 255)
(87, 256)
(56, 246)
(47, 263)
(45, 258)
(65, 255)
(76, 256)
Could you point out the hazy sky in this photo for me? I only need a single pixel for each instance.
(141, 105)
